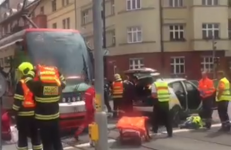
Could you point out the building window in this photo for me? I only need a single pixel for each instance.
(54, 25)
(53, 5)
(66, 23)
(177, 65)
(210, 30)
(136, 63)
(209, 2)
(85, 16)
(176, 32)
(113, 38)
(176, 3)
(133, 4)
(112, 7)
(207, 63)
(42, 10)
(65, 2)
(134, 35)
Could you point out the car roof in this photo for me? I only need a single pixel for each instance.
(171, 80)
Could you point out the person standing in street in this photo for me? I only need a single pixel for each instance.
(128, 95)
(23, 110)
(117, 94)
(106, 95)
(161, 113)
(207, 93)
(223, 98)
(46, 83)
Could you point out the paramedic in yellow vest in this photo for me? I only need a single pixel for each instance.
(223, 98)
(23, 108)
(161, 113)
(117, 94)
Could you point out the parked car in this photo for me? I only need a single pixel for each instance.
(185, 97)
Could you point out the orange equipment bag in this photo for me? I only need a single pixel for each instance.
(134, 123)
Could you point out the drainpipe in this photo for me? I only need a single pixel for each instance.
(161, 37)
(75, 7)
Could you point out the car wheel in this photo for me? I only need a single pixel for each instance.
(176, 113)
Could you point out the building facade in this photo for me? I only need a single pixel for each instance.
(176, 37)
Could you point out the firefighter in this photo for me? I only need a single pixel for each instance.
(23, 108)
(117, 94)
(161, 113)
(207, 92)
(128, 95)
(89, 97)
(106, 95)
(223, 98)
(46, 83)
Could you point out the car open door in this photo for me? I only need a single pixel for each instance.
(193, 95)
(180, 93)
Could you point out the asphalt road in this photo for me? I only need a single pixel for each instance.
(183, 139)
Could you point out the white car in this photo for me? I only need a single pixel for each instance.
(185, 97)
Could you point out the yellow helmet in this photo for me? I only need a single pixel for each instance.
(117, 77)
(25, 67)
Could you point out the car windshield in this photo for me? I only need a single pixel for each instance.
(65, 50)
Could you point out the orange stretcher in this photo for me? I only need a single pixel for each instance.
(133, 128)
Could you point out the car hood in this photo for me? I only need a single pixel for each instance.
(81, 87)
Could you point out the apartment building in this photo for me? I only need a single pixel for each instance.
(176, 37)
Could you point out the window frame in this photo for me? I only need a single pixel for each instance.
(176, 32)
(179, 64)
(133, 5)
(53, 5)
(54, 25)
(210, 28)
(42, 10)
(112, 7)
(133, 33)
(133, 65)
(85, 16)
(209, 63)
(66, 23)
(176, 3)
(210, 2)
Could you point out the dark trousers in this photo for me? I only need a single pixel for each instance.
(117, 103)
(207, 104)
(50, 135)
(222, 107)
(106, 101)
(161, 115)
(27, 128)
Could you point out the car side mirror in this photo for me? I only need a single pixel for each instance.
(19, 46)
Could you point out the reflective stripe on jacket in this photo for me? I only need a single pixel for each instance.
(163, 94)
(206, 87)
(28, 96)
(117, 89)
(225, 96)
(20, 97)
(47, 75)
